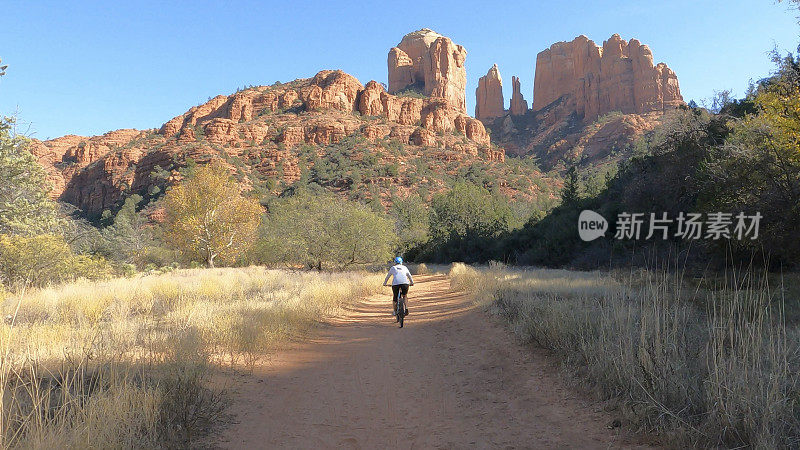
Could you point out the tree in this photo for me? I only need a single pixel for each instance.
(25, 207)
(469, 210)
(129, 238)
(466, 223)
(207, 219)
(412, 221)
(569, 195)
(321, 230)
(758, 167)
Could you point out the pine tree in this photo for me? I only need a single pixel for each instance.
(569, 194)
(25, 207)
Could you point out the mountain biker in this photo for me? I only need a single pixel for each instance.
(401, 280)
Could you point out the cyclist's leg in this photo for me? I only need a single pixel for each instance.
(404, 289)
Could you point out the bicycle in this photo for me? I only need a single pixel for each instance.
(400, 310)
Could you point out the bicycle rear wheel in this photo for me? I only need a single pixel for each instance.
(401, 309)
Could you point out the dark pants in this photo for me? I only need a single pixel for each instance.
(396, 289)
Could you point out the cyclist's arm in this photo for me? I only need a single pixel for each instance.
(388, 275)
(410, 278)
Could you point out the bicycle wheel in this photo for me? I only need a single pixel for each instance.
(401, 309)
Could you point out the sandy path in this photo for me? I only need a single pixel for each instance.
(452, 378)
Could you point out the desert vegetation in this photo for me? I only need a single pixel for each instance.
(711, 362)
(206, 219)
(127, 362)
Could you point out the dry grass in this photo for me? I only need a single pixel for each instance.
(124, 363)
(419, 269)
(711, 367)
(428, 269)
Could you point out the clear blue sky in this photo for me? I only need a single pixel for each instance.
(83, 67)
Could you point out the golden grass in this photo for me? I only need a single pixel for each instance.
(703, 367)
(123, 362)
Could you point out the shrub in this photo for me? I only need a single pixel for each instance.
(416, 90)
(91, 268)
(419, 269)
(412, 221)
(465, 224)
(44, 259)
(35, 260)
(320, 230)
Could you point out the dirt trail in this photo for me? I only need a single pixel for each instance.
(451, 378)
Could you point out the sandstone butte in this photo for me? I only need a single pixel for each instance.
(262, 126)
(431, 64)
(589, 80)
(575, 83)
(619, 76)
(489, 95)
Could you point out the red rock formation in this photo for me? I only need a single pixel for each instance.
(431, 63)
(434, 114)
(221, 131)
(400, 71)
(331, 89)
(259, 129)
(519, 105)
(489, 95)
(619, 76)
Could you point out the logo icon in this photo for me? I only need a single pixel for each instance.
(591, 225)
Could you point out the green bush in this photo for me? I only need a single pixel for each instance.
(466, 224)
(44, 259)
(323, 231)
(90, 267)
(416, 90)
(35, 260)
(412, 218)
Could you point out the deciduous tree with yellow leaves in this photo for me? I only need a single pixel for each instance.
(207, 218)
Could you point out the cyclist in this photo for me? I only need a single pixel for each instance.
(401, 280)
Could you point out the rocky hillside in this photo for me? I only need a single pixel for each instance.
(355, 139)
(590, 102)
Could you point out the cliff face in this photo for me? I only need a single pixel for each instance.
(489, 95)
(430, 64)
(619, 76)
